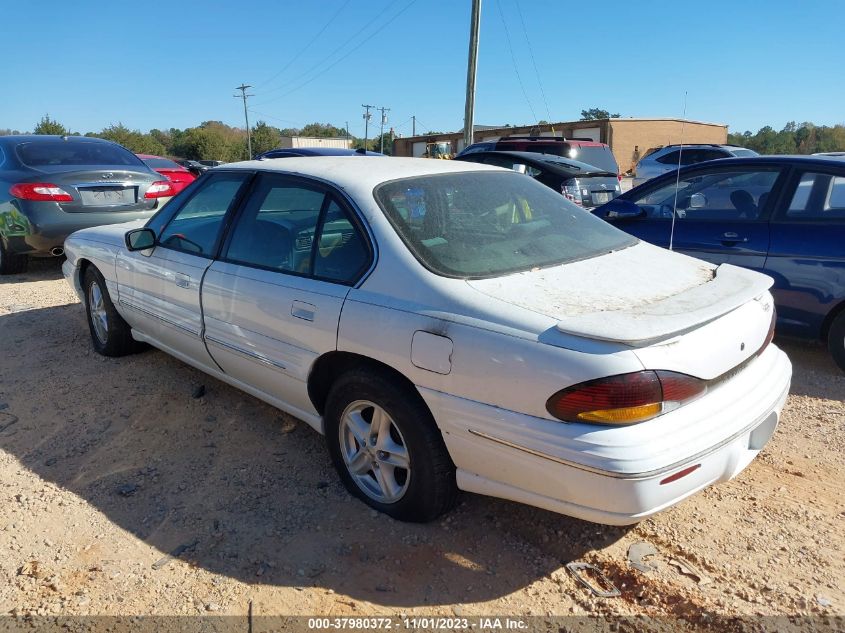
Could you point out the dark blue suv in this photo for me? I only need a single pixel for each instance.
(781, 215)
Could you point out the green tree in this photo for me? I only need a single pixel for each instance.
(265, 137)
(388, 143)
(133, 140)
(597, 113)
(50, 126)
(322, 130)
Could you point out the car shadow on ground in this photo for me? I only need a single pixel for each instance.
(231, 484)
(38, 269)
(814, 373)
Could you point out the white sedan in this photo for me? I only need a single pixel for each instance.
(450, 326)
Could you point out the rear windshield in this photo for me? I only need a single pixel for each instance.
(74, 152)
(474, 225)
(744, 153)
(596, 155)
(558, 149)
(161, 163)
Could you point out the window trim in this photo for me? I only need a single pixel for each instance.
(237, 201)
(797, 171)
(772, 204)
(331, 195)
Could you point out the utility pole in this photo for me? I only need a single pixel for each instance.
(472, 66)
(367, 117)
(383, 121)
(347, 131)
(243, 96)
(414, 125)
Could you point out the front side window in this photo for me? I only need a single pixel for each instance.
(196, 226)
(722, 195)
(475, 225)
(818, 197)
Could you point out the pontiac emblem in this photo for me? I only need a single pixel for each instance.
(108, 175)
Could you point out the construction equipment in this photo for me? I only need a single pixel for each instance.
(442, 149)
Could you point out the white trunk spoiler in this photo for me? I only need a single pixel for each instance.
(730, 288)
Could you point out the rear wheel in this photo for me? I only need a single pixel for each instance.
(836, 340)
(10, 263)
(110, 334)
(387, 448)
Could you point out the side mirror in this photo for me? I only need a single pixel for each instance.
(140, 239)
(622, 210)
(697, 201)
(520, 168)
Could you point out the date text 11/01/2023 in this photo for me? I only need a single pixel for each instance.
(415, 623)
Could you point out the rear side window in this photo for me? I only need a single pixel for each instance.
(75, 152)
(818, 197)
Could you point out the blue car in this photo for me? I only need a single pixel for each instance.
(781, 215)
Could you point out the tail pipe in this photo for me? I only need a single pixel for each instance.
(57, 251)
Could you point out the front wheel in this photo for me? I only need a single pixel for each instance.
(387, 448)
(110, 334)
(836, 340)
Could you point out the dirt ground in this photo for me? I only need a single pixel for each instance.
(125, 491)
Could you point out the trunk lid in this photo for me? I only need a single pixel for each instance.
(104, 189)
(637, 297)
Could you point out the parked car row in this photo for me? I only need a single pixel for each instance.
(51, 186)
(670, 157)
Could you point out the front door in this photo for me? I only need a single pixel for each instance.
(272, 302)
(159, 288)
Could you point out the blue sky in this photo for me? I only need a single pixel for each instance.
(168, 64)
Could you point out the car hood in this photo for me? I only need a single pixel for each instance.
(636, 296)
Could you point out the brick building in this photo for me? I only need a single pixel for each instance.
(629, 139)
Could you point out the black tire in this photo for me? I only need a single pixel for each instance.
(430, 488)
(11, 264)
(836, 340)
(117, 339)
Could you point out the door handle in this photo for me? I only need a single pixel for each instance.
(182, 280)
(730, 237)
(303, 310)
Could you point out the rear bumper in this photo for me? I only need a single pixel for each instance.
(613, 475)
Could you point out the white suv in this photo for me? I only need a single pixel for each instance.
(670, 157)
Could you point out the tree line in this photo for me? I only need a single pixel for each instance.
(211, 140)
(794, 138)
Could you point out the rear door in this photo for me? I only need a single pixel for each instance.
(721, 214)
(160, 288)
(272, 302)
(807, 253)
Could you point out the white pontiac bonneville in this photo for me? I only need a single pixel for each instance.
(450, 326)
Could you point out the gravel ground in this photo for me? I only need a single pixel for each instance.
(125, 491)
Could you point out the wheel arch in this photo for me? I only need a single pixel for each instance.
(328, 367)
(830, 318)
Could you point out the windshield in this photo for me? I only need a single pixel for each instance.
(595, 155)
(161, 163)
(73, 152)
(474, 225)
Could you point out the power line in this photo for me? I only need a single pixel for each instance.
(328, 68)
(533, 61)
(270, 116)
(513, 59)
(244, 95)
(335, 51)
(307, 46)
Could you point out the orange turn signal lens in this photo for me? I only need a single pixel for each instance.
(624, 415)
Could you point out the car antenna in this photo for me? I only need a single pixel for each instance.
(678, 174)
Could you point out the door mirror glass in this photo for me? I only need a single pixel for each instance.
(140, 239)
(697, 201)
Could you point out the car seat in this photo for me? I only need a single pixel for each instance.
(744, 203)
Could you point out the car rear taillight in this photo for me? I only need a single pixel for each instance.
(626, 398)
(160, 189)
(571, 192)
(771, 334)
(42, 191)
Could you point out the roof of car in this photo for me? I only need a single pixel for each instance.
(547, 160)
(366, 171)
(28, 138)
